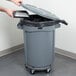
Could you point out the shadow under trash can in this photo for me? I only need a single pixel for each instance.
(39, 37)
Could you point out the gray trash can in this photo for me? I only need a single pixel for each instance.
(39, 39)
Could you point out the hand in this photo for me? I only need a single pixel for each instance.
(9, 12)
(17, 2)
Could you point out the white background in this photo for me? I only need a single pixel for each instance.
(65, 36)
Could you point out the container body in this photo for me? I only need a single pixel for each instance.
(39, 38)
(39, 46)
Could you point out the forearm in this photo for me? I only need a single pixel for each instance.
(2, 9)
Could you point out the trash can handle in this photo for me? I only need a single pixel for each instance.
(61, 21)
(64, 22)
(42, 25)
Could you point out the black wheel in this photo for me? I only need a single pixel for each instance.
(32, 71)
(48, 70)
(26, 66)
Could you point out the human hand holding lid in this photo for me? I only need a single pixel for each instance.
(10, 11)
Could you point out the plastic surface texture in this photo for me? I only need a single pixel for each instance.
(38, 21)
(38, 41)
(40, 11)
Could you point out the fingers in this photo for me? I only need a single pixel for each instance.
(9, 12)
(17, 2)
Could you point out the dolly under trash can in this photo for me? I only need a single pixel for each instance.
(39, 35)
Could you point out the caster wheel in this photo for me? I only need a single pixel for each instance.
(48, 70)
(32, 71)
(26, 67)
